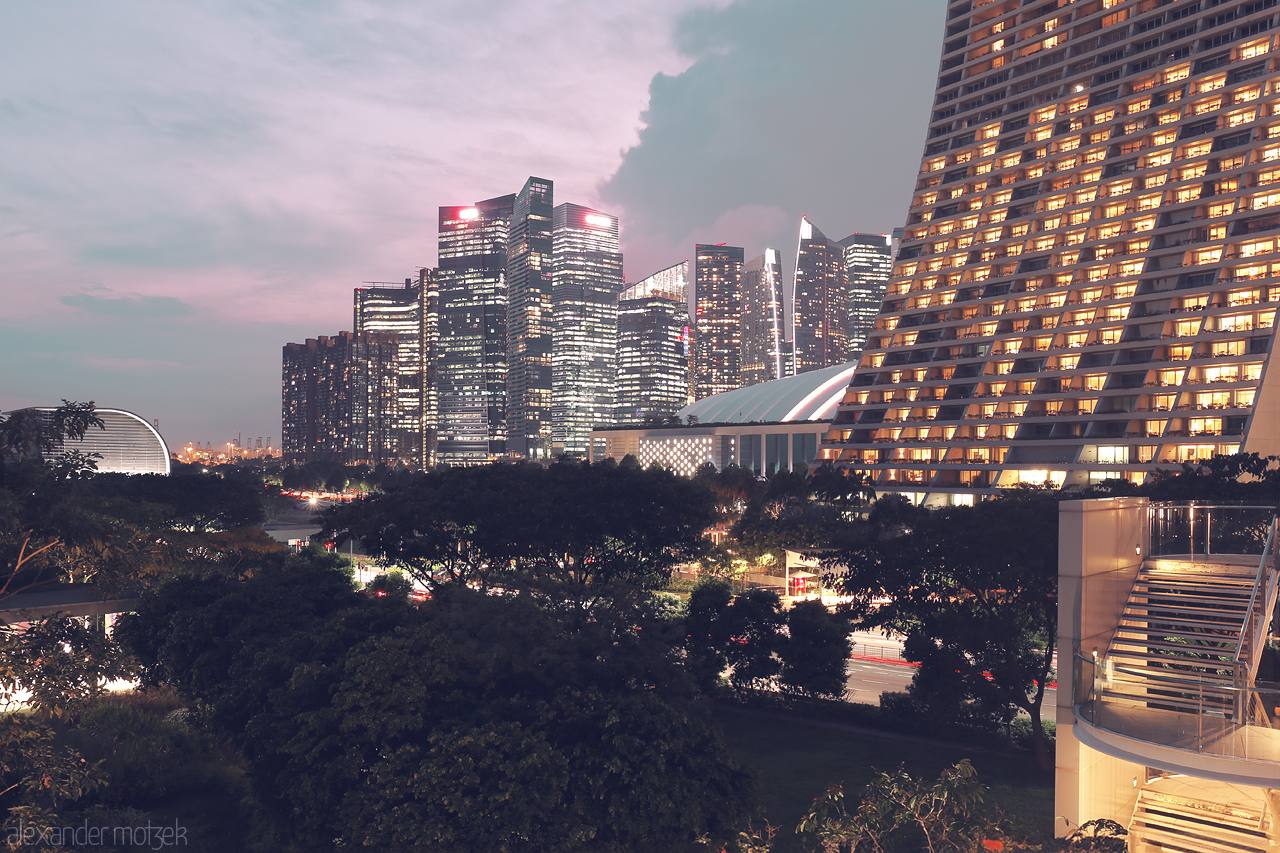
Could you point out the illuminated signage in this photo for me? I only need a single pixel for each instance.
(469, 213)
(598, 220)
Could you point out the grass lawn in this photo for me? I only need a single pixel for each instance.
(797, 760)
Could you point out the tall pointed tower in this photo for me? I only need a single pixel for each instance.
(1088, 283)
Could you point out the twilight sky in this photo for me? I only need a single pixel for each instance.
(185, 187)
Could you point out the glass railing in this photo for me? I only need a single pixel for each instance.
(1200, 714)
(1201, 529)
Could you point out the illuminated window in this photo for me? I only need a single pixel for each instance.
(1254, 48)
(1198, 149)
(1225, 348)
(1187, 328)
(1182, 352)
(1206, 256)
(1161, 158)
(1206, 106)
(1223, 209)
(1096, 155)
(1169, 116)
(1170, 377)
(1240, 117)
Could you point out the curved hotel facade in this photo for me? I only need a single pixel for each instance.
(1088, 284)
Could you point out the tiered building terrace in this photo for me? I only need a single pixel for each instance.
(1089, 279)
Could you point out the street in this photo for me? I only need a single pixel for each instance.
(876, 666)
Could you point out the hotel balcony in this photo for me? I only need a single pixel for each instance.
(1163, 723)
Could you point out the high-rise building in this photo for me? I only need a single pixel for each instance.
(471, 364)
(428, 282)
(868, 261)
(1087, 285)
(653, 346)
(384, 307)
(529, 321)
(586, 282)
(820, 302)
(766, 323)
(717, 301)
(339, 399)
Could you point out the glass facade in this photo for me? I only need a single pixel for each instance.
(529, 321)
(766, 321)
(471, 364)
(653, 347)
(586, 283)
(820, 301)
(868, 261)
(384, 307)
(1087, 285)
(717, 298)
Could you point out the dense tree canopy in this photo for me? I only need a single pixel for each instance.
(974, 592)
(581, 529)
(471, 723)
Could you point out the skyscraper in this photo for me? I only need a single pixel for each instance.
(383, 307)
(820, 301)
(653, 346)
(471, 364)
(585, 285)
(1087, 286)
(717, 299)
(766, 321)
(868, 261)
(339, 398)
(529, 321)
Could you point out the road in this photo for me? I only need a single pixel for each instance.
(876, 667)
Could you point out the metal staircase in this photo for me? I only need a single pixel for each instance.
(1181, 630)
(1204, 818)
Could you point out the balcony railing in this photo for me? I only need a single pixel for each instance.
(1189, 530)
(1189, 713)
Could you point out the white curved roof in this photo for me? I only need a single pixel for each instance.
(811, 396)
(127, 444)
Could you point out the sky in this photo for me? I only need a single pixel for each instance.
(185, 187)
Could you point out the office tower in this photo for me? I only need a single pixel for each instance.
(529, 320)
(653, 346)
(765, 321)
(820, 302)
(384, 307)
(585, 284)
(717, 299)
(868, 260)
(1087, 285)
(339, 398)
(471, 368)
(428, 283)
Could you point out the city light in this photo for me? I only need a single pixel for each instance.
(469, 214)
(598, 220)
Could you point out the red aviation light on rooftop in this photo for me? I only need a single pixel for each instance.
(469, 213)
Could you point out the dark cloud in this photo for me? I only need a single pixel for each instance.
(803, 107)
(132, 305)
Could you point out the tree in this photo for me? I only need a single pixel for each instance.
(708, 633)
(974, 592)
(584, 531)
(754, 620)
(471, 723)
(816, 650)
(899, 811)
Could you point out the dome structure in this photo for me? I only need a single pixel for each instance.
(127, 443)
(810, 396)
